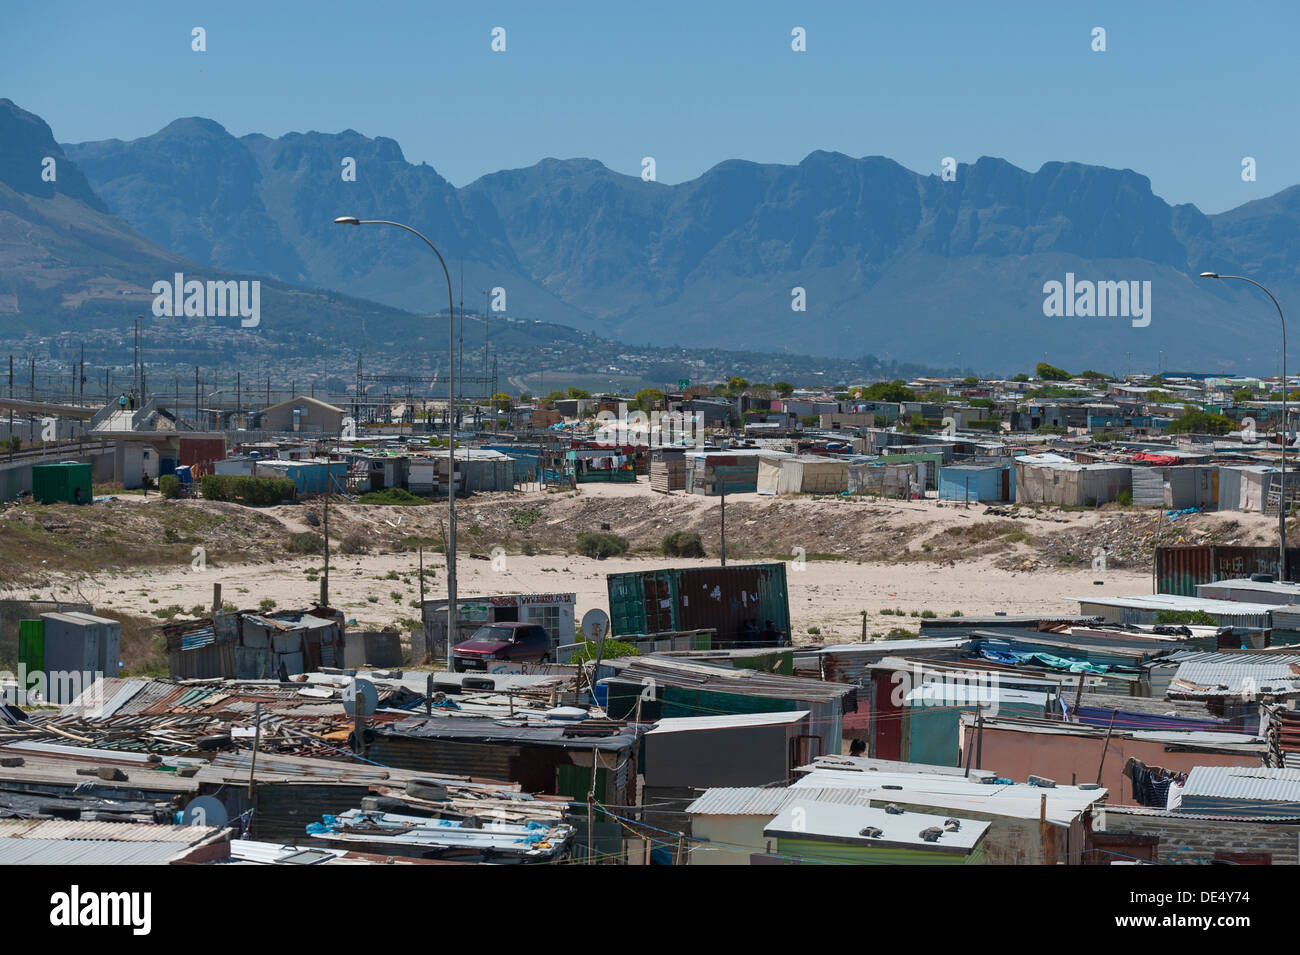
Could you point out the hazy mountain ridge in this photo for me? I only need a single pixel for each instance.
(891, 262)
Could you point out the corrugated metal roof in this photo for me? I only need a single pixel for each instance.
(734, 721)
(104, 831)
(1243, 783)
(1247, 680)
(1177, 602)
(1235, 657)
(757, 801)
(82, 852)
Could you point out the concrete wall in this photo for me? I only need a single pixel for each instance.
(736, 838)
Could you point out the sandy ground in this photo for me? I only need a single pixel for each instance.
(828, 595)
(867, 555)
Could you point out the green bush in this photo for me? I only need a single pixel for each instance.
(307, 542)
(1125, 499)
(246, 489)
(613, 648)
(683, 544)
(170, 486)
(599, 545)
(391, 495)
(1198, 617)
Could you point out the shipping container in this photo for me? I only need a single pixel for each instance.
(1180, 569)
(65, 482)
(722, 599)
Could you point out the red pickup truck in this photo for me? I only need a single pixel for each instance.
(497, 642)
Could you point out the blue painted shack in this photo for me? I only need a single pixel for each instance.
(978, 481)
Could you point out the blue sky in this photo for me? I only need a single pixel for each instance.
(1182, 93)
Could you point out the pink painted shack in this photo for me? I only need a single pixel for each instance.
(1072, 753)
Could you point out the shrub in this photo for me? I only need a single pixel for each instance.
(245, 489)
(267, 604)
(599, 545)
(612, 648)
(1198, 617)
(170, 486)
(683, 544)
(1125, 498)
(815, 631)
(353, 543)
(307, 542)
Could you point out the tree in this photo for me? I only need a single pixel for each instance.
(1047, 372)
(501, 401)
(647, 399)
(736, 384)
(579, 393)
(895, 390)
(1095, 375)
(525, 398)
(784, 389)
(1021, 377)
(1199, 422)
(1243, 394)
(970, 380)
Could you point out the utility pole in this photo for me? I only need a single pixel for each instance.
(724, 528)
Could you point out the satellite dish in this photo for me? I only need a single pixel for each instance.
(360, 696)
(595, 626)
(205, 811)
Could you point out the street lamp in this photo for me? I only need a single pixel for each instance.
(1281, 504)
(451, 428)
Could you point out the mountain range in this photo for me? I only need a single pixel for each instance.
(887, 261)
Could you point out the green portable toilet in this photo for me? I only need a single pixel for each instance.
(55, 483)
(31, 645)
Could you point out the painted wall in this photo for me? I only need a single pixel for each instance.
(1016, 755)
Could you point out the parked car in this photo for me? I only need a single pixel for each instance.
(496, 642)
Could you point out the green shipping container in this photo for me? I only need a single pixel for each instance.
(721, 599)
(66, 481)
(31, 645)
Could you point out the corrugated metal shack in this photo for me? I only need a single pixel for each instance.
(990, 481)
(657, 687)
(726, 472)
(806, 474)
(1041, 479)
(554, 757)
(247, 645)
(886, 479)
(668, 469)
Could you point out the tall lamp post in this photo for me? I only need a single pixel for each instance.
(451, 427)
(1281, 504)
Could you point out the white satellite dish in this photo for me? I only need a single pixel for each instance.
(595, 626)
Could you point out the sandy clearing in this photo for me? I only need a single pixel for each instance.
(826, 594)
